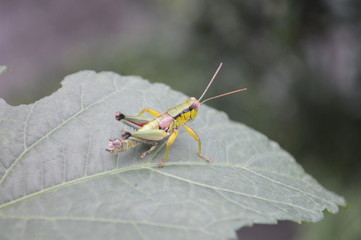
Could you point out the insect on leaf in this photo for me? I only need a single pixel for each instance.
(58, 182)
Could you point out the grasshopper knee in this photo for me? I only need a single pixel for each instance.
(125, 134)
(119, 116)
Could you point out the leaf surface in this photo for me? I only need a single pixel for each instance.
(58, 182)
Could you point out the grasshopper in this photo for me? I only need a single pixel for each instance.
(162, 126)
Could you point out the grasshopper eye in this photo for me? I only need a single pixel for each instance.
(196, 105)
(193, 98)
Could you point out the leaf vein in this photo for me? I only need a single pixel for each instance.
(288, 186)
(26, 125)
(228, 190)
(50, 133)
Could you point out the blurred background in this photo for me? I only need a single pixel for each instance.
(300, 60)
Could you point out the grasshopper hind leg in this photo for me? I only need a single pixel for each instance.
(151, 149)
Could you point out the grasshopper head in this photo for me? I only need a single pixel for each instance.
(194, 105)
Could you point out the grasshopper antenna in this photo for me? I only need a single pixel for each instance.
(210, 82)
(224, 94)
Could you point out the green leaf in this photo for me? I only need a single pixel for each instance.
(345, 226)
(58, 182)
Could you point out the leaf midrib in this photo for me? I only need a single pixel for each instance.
(154, 168)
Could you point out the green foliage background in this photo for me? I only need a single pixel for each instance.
(299, 60)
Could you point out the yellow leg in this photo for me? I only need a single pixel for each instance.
(195, 136)
(151, 111)
(170, 141)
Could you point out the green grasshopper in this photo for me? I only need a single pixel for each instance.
(163, 125)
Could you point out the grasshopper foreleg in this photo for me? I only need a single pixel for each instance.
(195, 136)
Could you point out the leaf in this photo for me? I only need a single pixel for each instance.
(57, 181)
(347, 224)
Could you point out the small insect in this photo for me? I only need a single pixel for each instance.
(163, 125)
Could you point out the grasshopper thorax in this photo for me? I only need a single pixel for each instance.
(191, 107)
(185, 111)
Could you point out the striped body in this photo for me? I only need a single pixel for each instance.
(168, 121)
(184, 112)
(173, 118)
